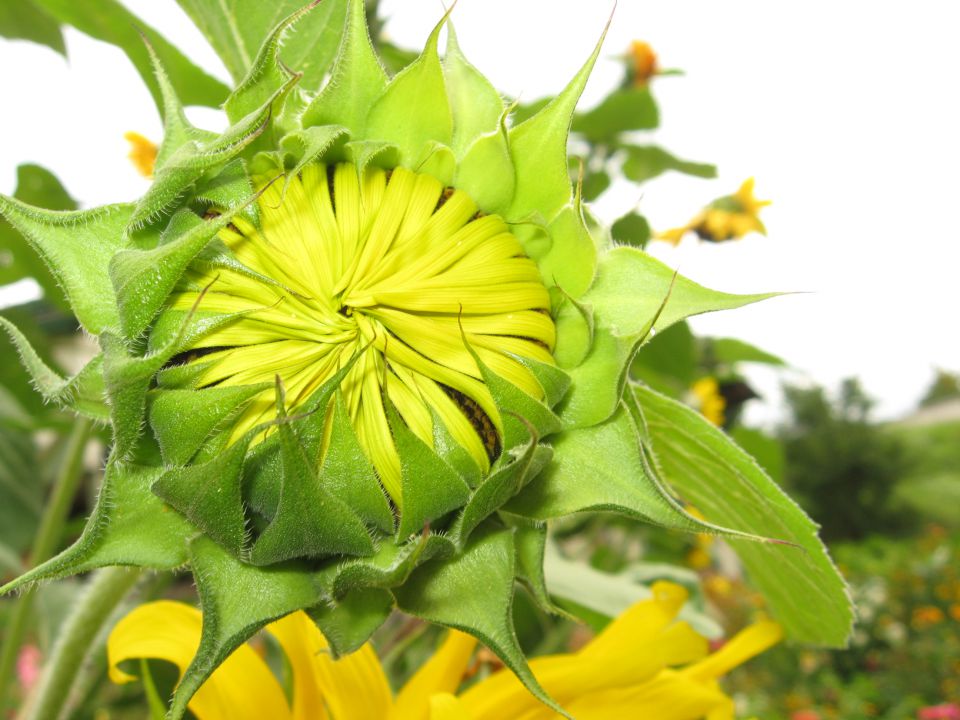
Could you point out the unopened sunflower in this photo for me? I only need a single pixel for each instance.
(356, 350)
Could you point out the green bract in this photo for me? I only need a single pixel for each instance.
(359, 348)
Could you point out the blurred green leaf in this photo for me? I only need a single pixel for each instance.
(621, 111)
(525, 111)
(39, 187)
(645, 162)
(111, 22)
(611, 594)
(237, 28)
(631, 229)
(23, 20)
(594, 185)
(21, 494)
(670, 361)
(801, 584)
(730, 350)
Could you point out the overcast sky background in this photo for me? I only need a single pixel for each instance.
(846, 114)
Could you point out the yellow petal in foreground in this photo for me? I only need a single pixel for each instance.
(170, 631)
(440, 675)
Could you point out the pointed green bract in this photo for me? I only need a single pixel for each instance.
(475, 104)
(348, 623)
(414, 110)
(76, 246)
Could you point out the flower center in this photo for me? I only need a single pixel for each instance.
(389, 269)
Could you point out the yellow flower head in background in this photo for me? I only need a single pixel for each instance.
(645, 664)
(731, 217)
(643, 63)
(143, 153)
(709, 400)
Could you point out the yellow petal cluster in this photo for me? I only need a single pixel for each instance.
(731, 217)
(644, 664)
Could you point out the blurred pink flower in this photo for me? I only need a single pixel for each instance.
(805, 715)
(947, 711)
(28, 666)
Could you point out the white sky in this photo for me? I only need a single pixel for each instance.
(845, 112)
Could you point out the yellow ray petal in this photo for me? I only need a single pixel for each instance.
(352, 687)
(440, 674)
(447, 707)
(740, 648)
(242, 688)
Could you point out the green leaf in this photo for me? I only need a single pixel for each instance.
(621, 111)
(129, 526)
(631, 286)
(356, 81)
(730, 351)
(109, 21)
(539, 150)
(23, 20)
(645, 162)
(595, 184)
(474, 593)
(476, 104)
(602, 469)
(631, 229)
(414, 111)
(76, 246)
(21, 492)
(236, 29)
(612, 594)
(803, 588)
(766, 450)
(670, 361)
(237, 600)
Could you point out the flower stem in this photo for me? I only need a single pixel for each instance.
(106, 590)
(46, 542)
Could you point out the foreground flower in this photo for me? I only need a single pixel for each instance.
(731, 217)
(644, 664)
(359, 348)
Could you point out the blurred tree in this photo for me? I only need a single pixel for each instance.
(945, 386)
(841, 467)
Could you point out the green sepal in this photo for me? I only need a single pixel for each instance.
(267, 75)
(349, 622)
(229, 189)
(440, 162)
(371, 152)
(473, 592)
(430, 488)
(575, 330)
(307, 145)
(727, 485)
(129, 526)
(310, 522)
(539, 150)
(143, 279)
(571, 261)
(453, 453)
(476, 105)
(238, 600)
(631, 286)
(488, 157)
(83, 393)
(357, 79)
(209, 411)
(554, 381)
(346, 472)
(76, 246)
(505, 481)
(209, 495)
(414, 108)
(530, 542)
(603, 469)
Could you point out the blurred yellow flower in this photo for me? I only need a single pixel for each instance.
(643, 63)
(731, 217)
(926, 616)
(143, 153)
(709, 401)
(644, 664)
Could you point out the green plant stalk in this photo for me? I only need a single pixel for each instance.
(45, 544)
(107, 589)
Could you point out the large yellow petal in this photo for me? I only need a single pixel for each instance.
(447, 707)
(242, 688)
(442, 673)
(351, 688)
(740, 648)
